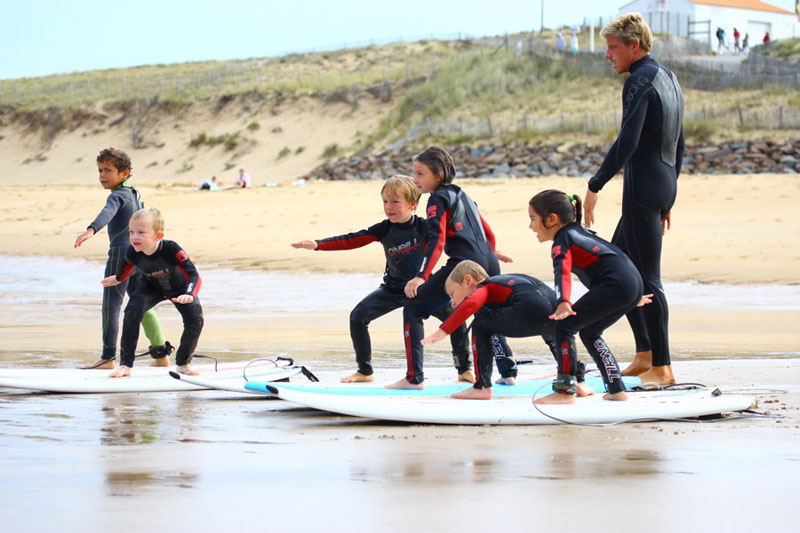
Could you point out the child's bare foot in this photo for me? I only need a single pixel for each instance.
(615, 397)
(642, 362)
(358, 377)
(472, 393)
(405, 384)
(584, 390)
(122, 372)
(510, 380)
(187, 370)
(659, 374)
(467, 376)
(102, 364)
(556, 398)
(161, 361)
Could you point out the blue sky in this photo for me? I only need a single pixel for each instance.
(41, 37)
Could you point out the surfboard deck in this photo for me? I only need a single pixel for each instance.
(541, 384)
(519, 409)
(144, 379)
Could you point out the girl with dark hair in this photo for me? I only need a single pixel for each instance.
(615, 288)
(455, 227)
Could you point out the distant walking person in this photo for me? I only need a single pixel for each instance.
(650, 148)
(736, 36)
(720, 40)
(766, 38)
(746, 42)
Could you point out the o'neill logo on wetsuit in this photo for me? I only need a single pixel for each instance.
(405, 248)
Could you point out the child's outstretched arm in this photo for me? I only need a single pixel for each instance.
(308, 245)
(83, 237)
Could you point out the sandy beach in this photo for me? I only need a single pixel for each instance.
(228, 461)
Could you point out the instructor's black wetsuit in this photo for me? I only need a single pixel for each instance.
(510, 305)
(167, 273)
(403, 247)
(455, 227)
(650, 147)
(615, 288)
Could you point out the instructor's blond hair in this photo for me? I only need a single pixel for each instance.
(629, 28)
(467, 267)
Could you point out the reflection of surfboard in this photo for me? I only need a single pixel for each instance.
(144, 379)
(537, 385)
(519, 409)
(238, 384)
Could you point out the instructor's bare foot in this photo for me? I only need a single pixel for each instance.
(642, 362)
(510, 380)
(472, 393)
(102, 364)
(659, 374)
(556, 398)
(122, 372)
(358, 377)
(584, 390)
(615, 397)
(405, 384)
(161, 361)
(467, 376)
(187, 370)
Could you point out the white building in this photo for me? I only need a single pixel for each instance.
(701, 18)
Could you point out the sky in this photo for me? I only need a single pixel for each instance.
(42, 37)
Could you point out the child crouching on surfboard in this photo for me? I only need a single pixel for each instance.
(506, 305)
(402, 235)
(615, 288)
(167, 273)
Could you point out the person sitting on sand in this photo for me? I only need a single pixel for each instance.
(508, 305)
(402, 235)
(243, 180)
(615, 288)
(167, 273)
(210, 184)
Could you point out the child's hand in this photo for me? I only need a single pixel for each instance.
(646, 299)
(563, 311)
(503, 257)
(434, 337)
(412, 286)
(83, 237)
(308, 245)
(110, 281)
(183, 299)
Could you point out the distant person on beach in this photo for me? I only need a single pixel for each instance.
(168, 274)
(615, 288)
(114, 167)
(243, 180)
(746, 42)
(736, 36)
(766, 39)
(720, 40)
(573, 41)
(210, 184)
(402, 235)
(561, 43)
(455, 227)
(650, 148)
(512, 305)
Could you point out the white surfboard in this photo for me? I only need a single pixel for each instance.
(520, 410)
(239, 384)
(144, 378)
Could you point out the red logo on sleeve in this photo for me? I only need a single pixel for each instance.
(181, 256)
(555, 251)
(459, 226)
(431, 211)
(596, 249)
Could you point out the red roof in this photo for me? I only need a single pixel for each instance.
(756, 5)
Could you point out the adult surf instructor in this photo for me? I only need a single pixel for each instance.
(650, 149)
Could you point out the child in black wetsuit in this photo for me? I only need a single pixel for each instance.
(456, 228)
(114, 169)
(402, 235)
(513, 305)
(615, 287)
(167, 273)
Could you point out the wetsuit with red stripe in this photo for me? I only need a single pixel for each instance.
(167, 273)
(455, 228)
(650, 148)
(615, 288)
(402, 245)
(508, 305)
